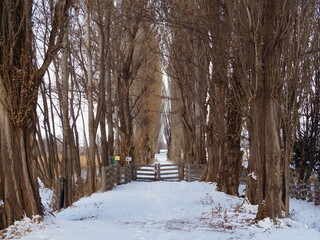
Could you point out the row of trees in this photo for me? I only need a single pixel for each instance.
(244, 69)
(101, 93)
(91, 72)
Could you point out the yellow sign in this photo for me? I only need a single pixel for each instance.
(117, 158)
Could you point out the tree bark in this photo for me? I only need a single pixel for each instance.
(251, 188)
(229, 173)
(18, 170)
(91, 169)
(67, 157)
(269, 162)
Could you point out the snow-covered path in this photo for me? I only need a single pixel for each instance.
(167, 211)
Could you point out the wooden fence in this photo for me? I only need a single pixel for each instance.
(192, 172)
(305, 191)
(168, 172)
(116, 175)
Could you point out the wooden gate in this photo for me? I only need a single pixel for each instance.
(168, 172)
(116, 175)
(158, 172)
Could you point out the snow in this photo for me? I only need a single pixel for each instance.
(46, 196)
(164, 211)
(161, 157)
(253, 175)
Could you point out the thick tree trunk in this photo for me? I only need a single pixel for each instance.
(175, 126)
(273, 162)
(269, 162)
(109, 103)
(229, 173)
(19, 84)
(214, 155)
(18, 171)
(126, 129)
(102, 97)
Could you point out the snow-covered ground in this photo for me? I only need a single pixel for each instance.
(166, 211)
(161, 157)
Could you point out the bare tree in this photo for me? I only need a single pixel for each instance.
(263, 37)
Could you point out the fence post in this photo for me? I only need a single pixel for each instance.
(303, 191)
(128, 173)
(103, 179)
(114, 176)
(181, 171)
(189, 172)
(317, 192)
(109, 184)
(157, 171)
(291, 188)
(133, 172)
(61, 196)
(310, 195)
(118, 172)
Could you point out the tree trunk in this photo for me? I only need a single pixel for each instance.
(269, 192)
(214, 149)
(110, 111)
(91, 169)
(19, 84)
(67, 157)
(18, 170)
(229, 173)
(126, 128)
(251, 188)
(102, 98)
(269, 162)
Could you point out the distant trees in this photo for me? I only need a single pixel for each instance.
(187, 68)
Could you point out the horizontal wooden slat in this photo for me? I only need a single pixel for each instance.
(145, 173)
(169, 173)
(169, 169)
(144, 170)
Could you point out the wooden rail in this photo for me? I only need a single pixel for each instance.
(192, 172)
(306, 191)
(115, 175)
(168, 172)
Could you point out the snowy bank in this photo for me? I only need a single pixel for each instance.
(172, 211)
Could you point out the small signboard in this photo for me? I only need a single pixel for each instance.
(128, 159)
(117, 158)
